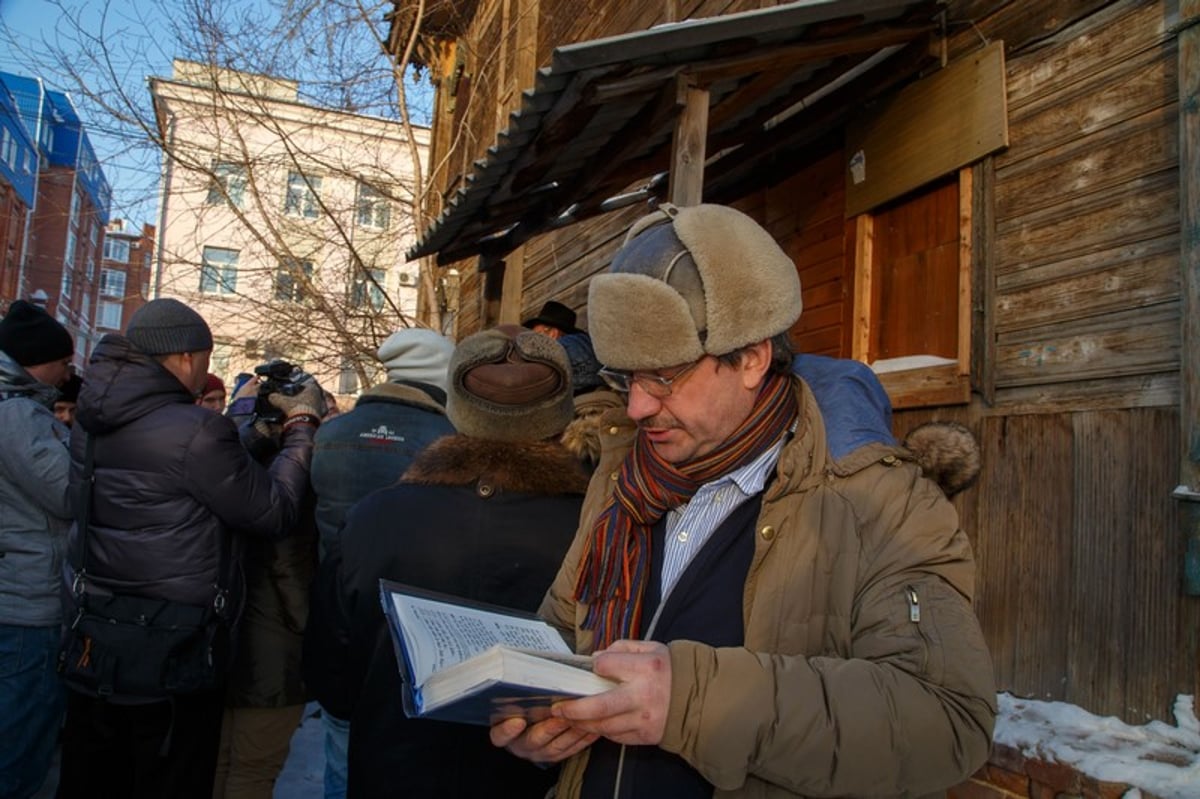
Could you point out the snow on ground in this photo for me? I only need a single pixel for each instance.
(303, 773)
(1158, 758)
(1155, 757)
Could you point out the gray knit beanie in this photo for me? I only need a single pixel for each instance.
(165, 326)
(417, 354)
(509, 384)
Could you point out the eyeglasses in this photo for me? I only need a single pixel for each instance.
(654, 384)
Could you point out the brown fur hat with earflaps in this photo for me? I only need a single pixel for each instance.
(947, 453)
(509, 384)
(687, 282)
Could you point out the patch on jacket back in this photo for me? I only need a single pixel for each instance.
(381, 434)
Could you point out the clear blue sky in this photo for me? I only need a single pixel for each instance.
(131, 168)
(139, 41)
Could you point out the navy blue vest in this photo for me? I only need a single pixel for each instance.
(705, 606)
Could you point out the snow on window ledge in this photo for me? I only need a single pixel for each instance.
(907, 362)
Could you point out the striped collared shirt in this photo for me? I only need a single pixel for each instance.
(690, 526)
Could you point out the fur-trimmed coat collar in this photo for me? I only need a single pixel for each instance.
(543, 468)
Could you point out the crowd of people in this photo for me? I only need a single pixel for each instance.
(780, 591)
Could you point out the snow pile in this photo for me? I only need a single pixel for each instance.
(1156, 757)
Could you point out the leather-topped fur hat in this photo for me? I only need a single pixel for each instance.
(687, 282)
(509, 384)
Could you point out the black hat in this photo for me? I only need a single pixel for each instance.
(69, 391)
(31, 336)
(166, 326)
(554, 314)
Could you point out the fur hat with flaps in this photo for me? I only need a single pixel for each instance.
(509, 384)
(689, 282)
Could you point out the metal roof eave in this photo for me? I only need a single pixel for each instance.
(528, 182)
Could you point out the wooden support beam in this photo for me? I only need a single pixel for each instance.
(1189, 259)
(965, 267)
(688, 145)
(512, 287)
(864, 255)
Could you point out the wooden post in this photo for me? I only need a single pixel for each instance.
(1189, 259)
(493, 290)
(688, 145)
(512, 287)
(864, 243)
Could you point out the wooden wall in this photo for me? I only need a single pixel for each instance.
(1079, 548)
(1077, 320)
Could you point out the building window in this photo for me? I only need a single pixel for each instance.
(218, 272)
(91, 267)
(8, 148)
(368, 288)
(74, 208)
(347, 377)
(112, 283)
(374, 209)
(301, 197)
(289, 286)
(108, 315)
(69, 255)
(228, 183)
(68, 282)
(116, 249)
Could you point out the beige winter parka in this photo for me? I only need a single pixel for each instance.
(864, 670)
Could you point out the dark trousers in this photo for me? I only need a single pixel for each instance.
(151, 751)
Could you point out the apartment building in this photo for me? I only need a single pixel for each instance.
(283, 223)
(18, 188)
(71, 201)
(125, 272)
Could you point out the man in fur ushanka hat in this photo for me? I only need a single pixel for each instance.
(783, 597)
(485, 514)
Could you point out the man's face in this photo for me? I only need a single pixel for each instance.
(65, 412)
(546, 330)
(199, 370)
(53, 373)
(214, 400)
(704, 408)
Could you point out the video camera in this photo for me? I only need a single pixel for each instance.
(276, 377)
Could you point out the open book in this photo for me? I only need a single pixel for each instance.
(479, 664)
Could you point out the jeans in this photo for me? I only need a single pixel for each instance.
(32, 702)
(337, 743)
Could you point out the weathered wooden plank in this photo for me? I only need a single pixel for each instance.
(1133, 89)
(1023, 549)
(864, 288)
(687, 147)
(983, 280)
(1189, 257)
(1125, 284)
(1115, 35)
(1166, 245)
(1097, 162)
(931, 385)
(1156, 610)
(1134, 391)
(1142, 341)
(1142, 209)
(928, 129)
(1019, 24)
(1098, 630)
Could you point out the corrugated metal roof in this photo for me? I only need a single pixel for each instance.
(600, 118)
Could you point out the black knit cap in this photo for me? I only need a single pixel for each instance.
(31, 336)
(165, 326)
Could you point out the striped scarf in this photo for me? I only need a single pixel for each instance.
(616, 568)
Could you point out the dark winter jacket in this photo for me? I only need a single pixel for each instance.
(35, 511)
(484, 521)
(279, 575)
(172, 480)
(371, 446)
